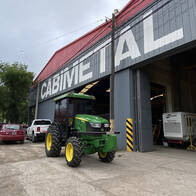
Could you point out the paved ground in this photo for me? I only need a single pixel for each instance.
(25, 170)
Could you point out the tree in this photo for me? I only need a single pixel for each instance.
(3, 102)
(15, 82)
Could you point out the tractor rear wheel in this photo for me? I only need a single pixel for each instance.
(53, 140)
(106, 157)
(73, 152)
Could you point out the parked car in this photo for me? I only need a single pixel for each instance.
(38, 129)
(11, 132)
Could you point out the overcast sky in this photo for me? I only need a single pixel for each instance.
(31, 30)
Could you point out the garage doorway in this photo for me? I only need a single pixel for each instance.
(172, 84)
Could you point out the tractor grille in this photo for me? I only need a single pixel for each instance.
(91, 129)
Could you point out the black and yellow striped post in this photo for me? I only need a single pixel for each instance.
(129, 130)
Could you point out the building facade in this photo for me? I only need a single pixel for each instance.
(154, 67)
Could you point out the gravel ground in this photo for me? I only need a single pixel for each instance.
(25, 170)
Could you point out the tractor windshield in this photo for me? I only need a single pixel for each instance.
(83, 106)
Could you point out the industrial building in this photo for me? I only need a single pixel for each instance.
(155, 68)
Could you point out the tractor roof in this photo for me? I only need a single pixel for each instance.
(74, 95)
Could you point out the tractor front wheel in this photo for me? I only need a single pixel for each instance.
(73, 152)
(53, 140)
(106, 157)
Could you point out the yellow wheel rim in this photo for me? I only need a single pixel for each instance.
(69, 152)
(49, 141)
(103, 154)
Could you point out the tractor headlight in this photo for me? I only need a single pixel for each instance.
(106, 125)
(95, 125)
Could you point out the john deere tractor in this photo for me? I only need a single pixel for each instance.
(81, 132)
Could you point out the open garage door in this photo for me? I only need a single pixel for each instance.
(173, 99)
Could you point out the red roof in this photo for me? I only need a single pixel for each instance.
(73, 49)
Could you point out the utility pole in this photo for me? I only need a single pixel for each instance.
(112, 123)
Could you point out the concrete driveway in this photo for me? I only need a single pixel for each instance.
(25, 170)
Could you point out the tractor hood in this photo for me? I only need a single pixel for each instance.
(91, 118)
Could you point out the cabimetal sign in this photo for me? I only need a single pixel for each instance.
(140, 39)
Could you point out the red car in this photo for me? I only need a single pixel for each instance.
(11, 132)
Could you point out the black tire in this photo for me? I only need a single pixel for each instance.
(73, 160)
(106, 157)
(34, 138)
(22, 141)
(55, 132)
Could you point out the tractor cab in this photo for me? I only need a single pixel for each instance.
(69, 105)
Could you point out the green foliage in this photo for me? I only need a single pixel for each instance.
(3, 102)
(15, 82)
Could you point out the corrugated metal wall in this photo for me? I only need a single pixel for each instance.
(46, 110)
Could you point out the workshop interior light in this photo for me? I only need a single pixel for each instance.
(87, 87)
(155, 97)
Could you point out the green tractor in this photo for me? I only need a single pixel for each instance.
(81, 132)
